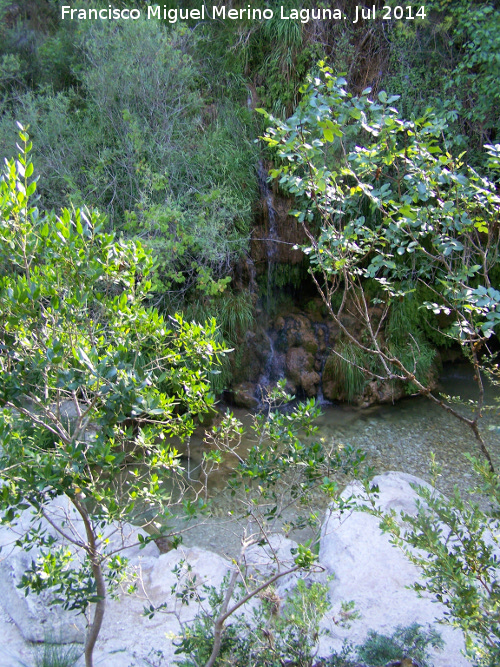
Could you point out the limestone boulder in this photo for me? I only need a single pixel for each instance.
(34, 615)
(128, 637)
(184, 569)
(375, 575)
(15, 651)
(277, 555)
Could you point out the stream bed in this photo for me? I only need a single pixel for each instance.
(398, 437)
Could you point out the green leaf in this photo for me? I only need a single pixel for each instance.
(328, 134)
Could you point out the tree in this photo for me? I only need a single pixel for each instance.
(96, 388)
(392, 218)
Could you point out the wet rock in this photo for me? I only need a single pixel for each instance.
(309, 341)
(299, 332)
(275, 232)
(244, 274)
(279, 324)
(243, 395)
(298, 346)
(298, 361)
(254, 352)
(300, 370)
(310, 383)
(377, 392)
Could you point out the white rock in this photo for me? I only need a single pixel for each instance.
(127, 636)
(33, 614)
(367, 569)
(269, 559)
(374, 574)
(13, 648)
(197, 568)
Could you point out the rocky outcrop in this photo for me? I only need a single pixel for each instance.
(253, 355)
(34, 615)
(300, 371)
(244, 395)
(275, 234)
(275, 555)
(299, 346)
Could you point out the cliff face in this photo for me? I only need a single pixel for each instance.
(275, 232)
(291, 339)
(299, 345)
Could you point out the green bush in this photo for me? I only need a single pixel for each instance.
(346, 367)
(265, 638)
(412, 642)
(57, 655)
(94, 383)
(450, 62)
(138, 139)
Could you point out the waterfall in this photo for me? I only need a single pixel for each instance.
(326, 334)
(274, 369)
(272, 228)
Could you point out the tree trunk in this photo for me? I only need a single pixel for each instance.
(95, 627)
(91, 549)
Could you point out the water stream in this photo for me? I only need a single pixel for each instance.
(266, 196)
(394, 437)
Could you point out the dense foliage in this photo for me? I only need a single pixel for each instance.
(153, 124)
(152, 121)
(93, 387)
(382, 203)
(395, 209)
